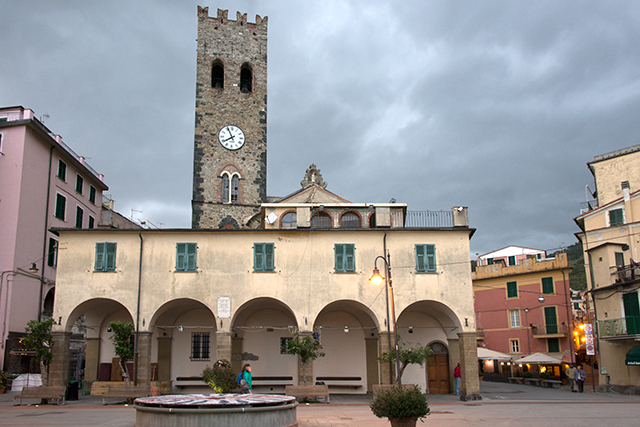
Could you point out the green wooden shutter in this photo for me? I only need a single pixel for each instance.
(431, 258)
(110, 257)
(512, 260)
(631, 312)
(191, 256)
(180, 254)
(268, 256)
(616, 217)
(512, 289)
(258, 258)
(350, 258)
(339, 257)
(420, 253)
(99, 257)
(547, 285)
(550, 320)
(553, 345)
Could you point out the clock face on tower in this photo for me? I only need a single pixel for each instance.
(231, 137)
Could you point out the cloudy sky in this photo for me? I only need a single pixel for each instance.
(494, 105)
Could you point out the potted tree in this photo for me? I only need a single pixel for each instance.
(308, 348)
(220, 377)
(4, 377)
(409, 354)
(39, 338)
(124, 350)
(402, 405)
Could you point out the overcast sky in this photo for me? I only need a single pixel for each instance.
(494, 105)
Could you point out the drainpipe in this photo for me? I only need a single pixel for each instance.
(44, 240)
(135, 367)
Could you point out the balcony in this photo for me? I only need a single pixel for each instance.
(550, 331)
(626, 273)
(428, 219)
(622, 327)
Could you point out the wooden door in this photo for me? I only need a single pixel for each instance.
(438, 374)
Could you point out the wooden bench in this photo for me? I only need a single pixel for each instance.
(337, 382)
(100, 388)
(551, 383)
(53, 393)
(190, 382)
(516, 380)
(532, 381)
(125, 392)
(271, 382)
(308, 391)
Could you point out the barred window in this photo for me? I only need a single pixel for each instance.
(200, 346)
(284, 344)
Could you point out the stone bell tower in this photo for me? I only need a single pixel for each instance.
(230, 141)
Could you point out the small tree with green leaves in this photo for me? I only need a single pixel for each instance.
(122, 342)
(220, 377)
(39, 339)
(409, 354)
(308, 348)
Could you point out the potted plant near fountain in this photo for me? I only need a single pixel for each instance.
(402, 405)
(4, 377)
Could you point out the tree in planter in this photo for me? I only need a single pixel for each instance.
(39, 339)
(220, 377)
(402, 405)
(307, 348)
(409, 354)
(122, 342)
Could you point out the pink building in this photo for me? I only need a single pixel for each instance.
(525, 308)
(43, 184)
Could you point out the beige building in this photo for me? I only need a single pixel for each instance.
(609, 236)
(197, 296)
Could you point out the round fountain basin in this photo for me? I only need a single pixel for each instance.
(219, 410)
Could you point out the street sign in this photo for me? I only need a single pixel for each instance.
(590, 343)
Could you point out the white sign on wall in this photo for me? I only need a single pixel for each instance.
(224, 307)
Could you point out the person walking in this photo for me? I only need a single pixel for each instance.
(571, 377)
(457, 375)
(245, 382)
(580, 376)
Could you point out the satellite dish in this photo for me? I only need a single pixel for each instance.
(271, 218)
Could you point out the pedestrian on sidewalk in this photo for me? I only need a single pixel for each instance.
(571, 377)
(245, 382)
(457, 375)
(580, 376)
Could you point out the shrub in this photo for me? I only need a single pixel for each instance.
(4, 377)
(527, 375)
(545, 375)
(400, 402)
(220, 377)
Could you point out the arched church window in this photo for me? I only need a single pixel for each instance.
(225, 188)
(350, 220)
(234, 189)
(289, 220)
(217, 75)
(246, 78)
(321, 220)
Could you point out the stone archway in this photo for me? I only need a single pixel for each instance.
(259, 331)
(349, 334)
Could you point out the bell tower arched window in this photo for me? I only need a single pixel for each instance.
(230, 187)
(234, 189)
(217, 75)
(225, 188)
(246, 78)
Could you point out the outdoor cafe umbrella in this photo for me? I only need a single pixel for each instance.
(539, 359)
(487, 354)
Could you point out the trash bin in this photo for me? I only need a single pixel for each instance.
(72, 390)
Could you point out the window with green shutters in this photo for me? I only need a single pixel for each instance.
(489, 261)
(547, 285)
(512, 261)
(553, 345)
(550, 320)
(61, 203)
(52, 257)
(616, 217)
(79, 215)
(105, 257)
(62, 170)
(92, 194)
(263, 256)
(512, 289)
(91, 222)
(345, 257)
(425, 258)
(186, 256)
(79, 184)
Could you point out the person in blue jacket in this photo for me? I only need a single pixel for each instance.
(245, 383)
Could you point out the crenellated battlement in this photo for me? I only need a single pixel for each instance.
(241, 19)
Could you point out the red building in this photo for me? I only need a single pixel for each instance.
(524, 308)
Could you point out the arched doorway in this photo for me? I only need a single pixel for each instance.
(438, 369)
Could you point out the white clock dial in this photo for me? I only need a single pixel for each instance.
(231, 137)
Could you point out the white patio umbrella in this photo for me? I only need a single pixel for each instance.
(539, 359)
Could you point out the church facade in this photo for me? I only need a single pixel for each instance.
(253, 272)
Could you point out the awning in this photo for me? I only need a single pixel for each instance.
(539, 359)
(633, 356)
(486, 354)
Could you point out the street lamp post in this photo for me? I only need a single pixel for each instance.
(376, 278)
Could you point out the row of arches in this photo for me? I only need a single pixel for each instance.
(185, 336)
(323, 219)
(218, 76)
